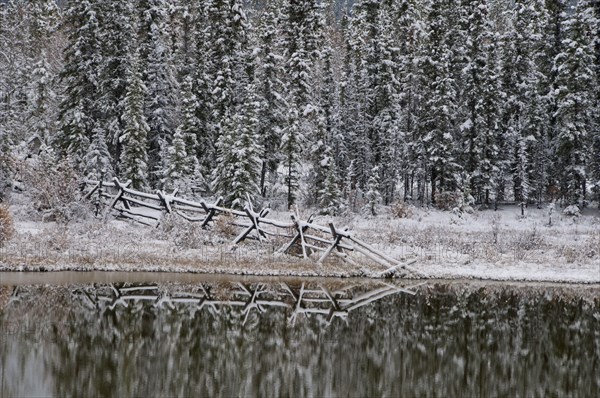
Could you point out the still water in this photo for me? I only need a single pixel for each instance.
(221, 336)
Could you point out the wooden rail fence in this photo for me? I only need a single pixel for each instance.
(309, 240)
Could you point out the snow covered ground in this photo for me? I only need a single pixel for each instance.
(487, 244)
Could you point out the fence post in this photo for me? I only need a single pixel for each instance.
(100, 189)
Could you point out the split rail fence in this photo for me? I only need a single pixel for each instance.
(308, 240)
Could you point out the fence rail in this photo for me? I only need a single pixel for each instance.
(308, 239)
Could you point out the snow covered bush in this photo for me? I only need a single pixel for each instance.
(53, 185)
(572, 211)
(6, 224)
(372, 196)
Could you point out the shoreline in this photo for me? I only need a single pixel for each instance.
(69, 277)
(227, 270)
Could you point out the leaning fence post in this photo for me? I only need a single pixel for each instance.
(100, 187)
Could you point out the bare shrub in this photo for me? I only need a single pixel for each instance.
(402, 210)
(168, 224)
(448, 200)
(54, 188)
(570, 254)
(184, 234)
(7, 167)
(224, 224)
(591, 248)
(7, 229)
(529, 239)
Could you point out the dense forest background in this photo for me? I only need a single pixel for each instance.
(330, 104)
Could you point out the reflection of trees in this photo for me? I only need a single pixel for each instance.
(260, 339)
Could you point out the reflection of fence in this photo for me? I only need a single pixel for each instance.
(306, 300)
(307, 237)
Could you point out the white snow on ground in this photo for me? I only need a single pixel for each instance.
(488, 244)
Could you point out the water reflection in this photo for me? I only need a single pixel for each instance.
(303, 300)
(300, 338)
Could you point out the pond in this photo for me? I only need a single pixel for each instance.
(115, 334)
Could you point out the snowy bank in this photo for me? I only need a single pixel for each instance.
(491, 245)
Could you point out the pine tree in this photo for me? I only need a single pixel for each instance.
(291, 142)
(134, 157)
(552, 42)
(273, 105)
(437, 125)
(42, 99)
(189, 127)
(372, 195)
(473, 76)
(183, 169)
(595, 158)
(322, 150)
(488, 138)
(78, 112)
(348, 105)
(301, 33)
(236, 175)
(385, 110)
(520, 122)
(98, 160)
(184, 18)
(178, 166)
(203, 82)
(409, 36)
(331, 195)
(159, 78)
(575, 97)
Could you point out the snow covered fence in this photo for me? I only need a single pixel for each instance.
(307, 239)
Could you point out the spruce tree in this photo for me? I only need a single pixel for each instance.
(301, 33)
(409, 35)
(42, 111)
(331, 195)
(134, 156)
(438, 133)
(159, 78)
(473, 74)
(116, 35)
(98, 160)
(575, 96)
(236, 175)
(595, 147)
(372, 195)
(271, 88)
(78, 109)
(178, 169)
